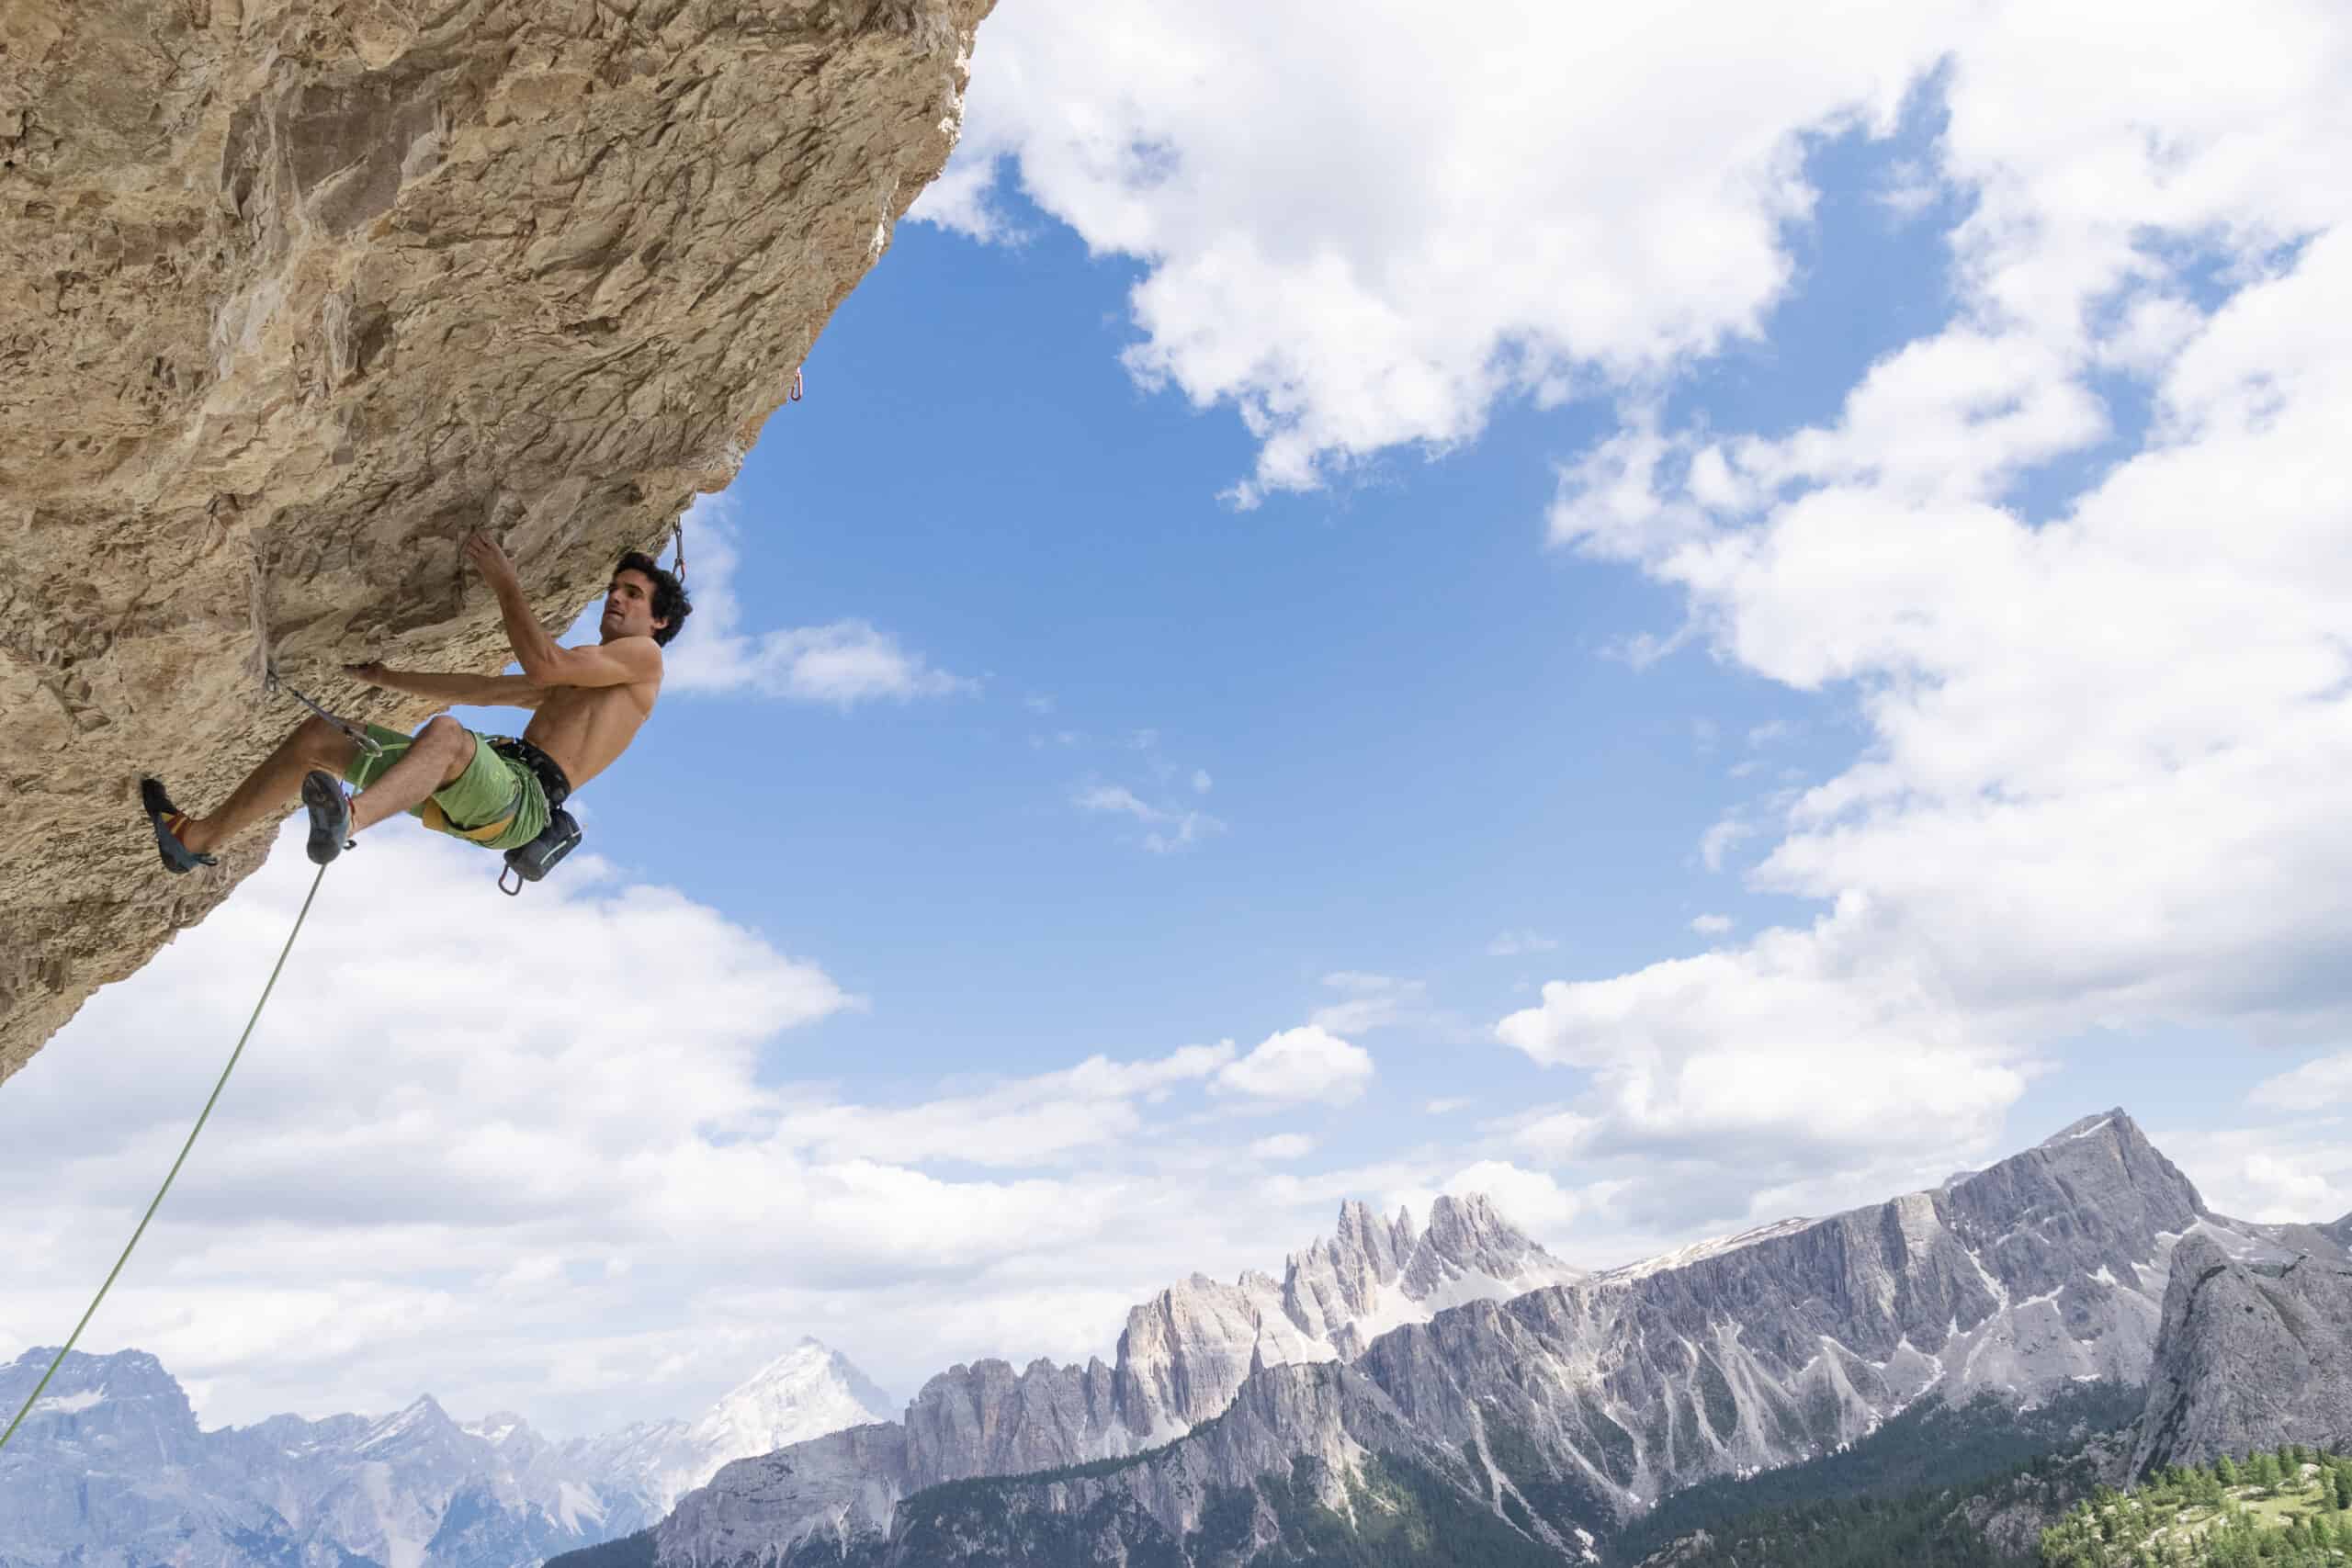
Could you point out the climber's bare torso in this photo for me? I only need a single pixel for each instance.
(590, 701)
(584, 729)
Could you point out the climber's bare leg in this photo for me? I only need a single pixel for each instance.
(443, 750)
(270, 790)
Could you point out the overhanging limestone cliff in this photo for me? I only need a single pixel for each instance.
(295, 292)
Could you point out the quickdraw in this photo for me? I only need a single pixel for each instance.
(272, 685)
(678, 534)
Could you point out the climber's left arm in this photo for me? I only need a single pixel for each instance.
(623, 662)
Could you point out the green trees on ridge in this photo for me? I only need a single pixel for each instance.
(2287, 1507)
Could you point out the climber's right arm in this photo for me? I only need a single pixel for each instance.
(475, 691)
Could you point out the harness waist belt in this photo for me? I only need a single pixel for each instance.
(550, 776)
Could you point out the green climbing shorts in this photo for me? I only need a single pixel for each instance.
(497, 803)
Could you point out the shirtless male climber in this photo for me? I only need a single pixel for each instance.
(490, 790)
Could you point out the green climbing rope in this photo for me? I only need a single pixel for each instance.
(34, 1397)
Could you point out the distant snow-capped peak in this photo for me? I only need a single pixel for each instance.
(809, 1391)
(805, 1393)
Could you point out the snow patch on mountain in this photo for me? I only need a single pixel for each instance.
(1714, 1246)
(577, 1509)
(70, 1403)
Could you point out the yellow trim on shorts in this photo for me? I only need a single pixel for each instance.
(489, 832)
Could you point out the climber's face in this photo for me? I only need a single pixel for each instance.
(628, 607)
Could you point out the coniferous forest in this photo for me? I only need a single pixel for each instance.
(2291, 1507)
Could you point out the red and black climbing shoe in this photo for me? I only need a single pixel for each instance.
(329, 815)
(168, 820)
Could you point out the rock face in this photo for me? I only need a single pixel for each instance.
(1189, 1349)
(1318, 1422)
(838, 1489)
(822, 1503)
(2253, 1354)
(293, 293)
(1186, 1353)
(1566, 1409)
(111, 1472)
(2045, 1269)
(123, 1444)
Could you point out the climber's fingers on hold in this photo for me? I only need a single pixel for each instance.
(482, 552)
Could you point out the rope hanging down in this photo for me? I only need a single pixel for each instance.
(34, 1398)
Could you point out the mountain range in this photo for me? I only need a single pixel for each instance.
(112, 1470)
(1437, 1393)
(1542, 1422)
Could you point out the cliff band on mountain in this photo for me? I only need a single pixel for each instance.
(294, 293)
(2255, 1352)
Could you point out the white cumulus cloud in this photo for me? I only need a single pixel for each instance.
(554, 1157)
(1303, 1064)
(1796, 1036)
(2100, 730)
(1350, 277)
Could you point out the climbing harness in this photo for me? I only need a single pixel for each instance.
(34, 1398)
(528, 862)
(272, 685)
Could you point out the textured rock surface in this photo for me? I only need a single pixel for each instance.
(2252, 1355)
(1586, 1403)
(786, 1508)
(1320, 1413)
(1186, 1352)
(295, 292)
(2047, 1268)
(836, 1489)
(133, 1460)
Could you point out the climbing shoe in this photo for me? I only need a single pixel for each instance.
(329, 815)
(167, 819)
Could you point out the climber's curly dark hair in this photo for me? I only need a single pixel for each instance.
(669, 595)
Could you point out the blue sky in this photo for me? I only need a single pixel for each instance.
(1337, 660)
